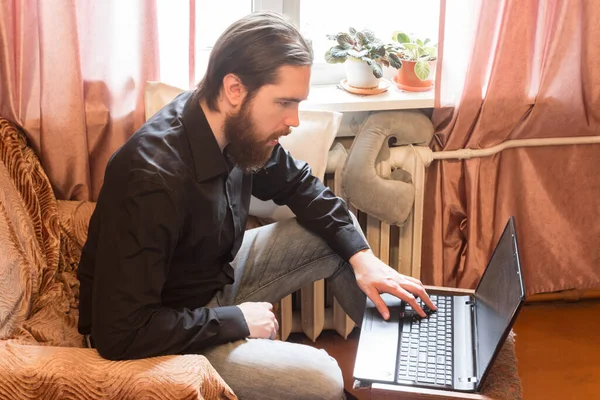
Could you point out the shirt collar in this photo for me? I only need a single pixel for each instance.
(208, 158)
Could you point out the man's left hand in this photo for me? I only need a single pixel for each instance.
(375, 277)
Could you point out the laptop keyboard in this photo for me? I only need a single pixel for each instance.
(426, 344)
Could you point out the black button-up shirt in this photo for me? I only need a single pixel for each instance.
(169, 220)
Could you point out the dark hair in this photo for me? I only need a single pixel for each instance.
(253, 48)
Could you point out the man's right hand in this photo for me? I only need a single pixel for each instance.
(260, 320)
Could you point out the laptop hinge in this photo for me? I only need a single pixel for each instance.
(475, 340)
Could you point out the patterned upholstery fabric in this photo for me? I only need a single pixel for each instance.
(41, 354)
(503, 382)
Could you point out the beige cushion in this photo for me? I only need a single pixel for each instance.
(309, 142)
(157, 95)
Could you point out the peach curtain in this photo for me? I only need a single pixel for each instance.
(516, 69)
(72, 74)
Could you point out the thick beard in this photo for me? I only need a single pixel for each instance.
(244, 150)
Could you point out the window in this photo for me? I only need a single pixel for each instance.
(318, 18)
(315, 18)
(210, 20)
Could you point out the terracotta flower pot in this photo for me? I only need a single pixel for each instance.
(406, 79)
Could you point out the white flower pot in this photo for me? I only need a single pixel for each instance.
(359, 74)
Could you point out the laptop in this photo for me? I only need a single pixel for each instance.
(454, 347)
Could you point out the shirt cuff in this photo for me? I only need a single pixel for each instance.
(347, 242)
(232, 324)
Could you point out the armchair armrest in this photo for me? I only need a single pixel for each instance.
(44, 372)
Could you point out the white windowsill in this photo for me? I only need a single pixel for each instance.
(332, 98)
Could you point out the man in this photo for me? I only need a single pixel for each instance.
(168, 268)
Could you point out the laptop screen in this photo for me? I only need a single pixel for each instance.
(498, 297)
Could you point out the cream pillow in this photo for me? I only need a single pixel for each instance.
(309, 142)
(157, 95)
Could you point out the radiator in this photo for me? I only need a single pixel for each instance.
(312, 309)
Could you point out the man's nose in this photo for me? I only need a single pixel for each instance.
(293, 119)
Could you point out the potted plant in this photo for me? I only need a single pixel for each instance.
(418, 58)
(364, 56)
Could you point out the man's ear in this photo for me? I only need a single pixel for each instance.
(234, 90)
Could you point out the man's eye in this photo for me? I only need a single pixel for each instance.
(284, 103)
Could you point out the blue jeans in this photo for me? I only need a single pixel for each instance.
(274, 261)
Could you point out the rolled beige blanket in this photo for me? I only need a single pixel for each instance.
(387, 195)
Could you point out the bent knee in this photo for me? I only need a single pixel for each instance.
(322, 376)
(266, 369)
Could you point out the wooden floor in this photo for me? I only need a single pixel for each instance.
(557, 344)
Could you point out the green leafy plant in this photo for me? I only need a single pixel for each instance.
(362, 45)
(417, 50)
